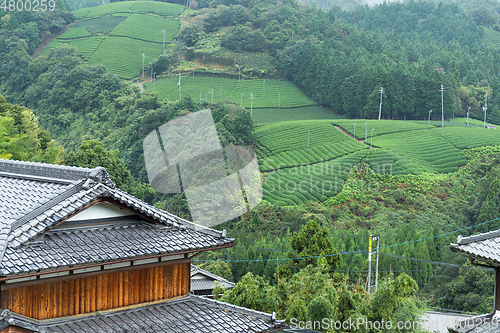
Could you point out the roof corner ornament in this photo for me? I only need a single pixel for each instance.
(224, 232)
(459, 239)
(273, 316)
(100, 175)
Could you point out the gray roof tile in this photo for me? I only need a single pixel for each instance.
(34, 197)
(482, 246)
(479, 324)
(209, 281)
(191, 314)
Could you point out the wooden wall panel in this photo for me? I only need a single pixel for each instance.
(96, 293)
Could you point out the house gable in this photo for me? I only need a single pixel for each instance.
(100, 213)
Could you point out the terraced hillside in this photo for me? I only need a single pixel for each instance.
(116, 35)
(310, 160)
(266, 93)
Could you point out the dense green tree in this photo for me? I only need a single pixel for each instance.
(488, 200)
(319, 309)
(312, 241)
(252, 292)
(243, 38)
(219, 268)
(23, 138)
(92, 154)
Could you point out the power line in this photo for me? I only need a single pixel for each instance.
(363, 251)
(357, 271)
(437, 262)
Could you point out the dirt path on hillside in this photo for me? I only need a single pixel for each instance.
(347, 133)
(141, 87)
(47, 42)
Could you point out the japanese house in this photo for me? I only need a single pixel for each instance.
(482, 250)
(78, 254)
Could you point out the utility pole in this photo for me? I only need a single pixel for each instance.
(366, 135)
(154, 78)
(369, 263)
(468, 117)
(143, 56)
(163, 40)
(381, 91)
(212, 92)
(442, 106)
(279, 100)
(151, 75)
(429, 127)
(264, 86)
(354, 128)
(485, 107)
(377, 238)
(179, 84)
(241, 99)
(371, 139)
(251, 104)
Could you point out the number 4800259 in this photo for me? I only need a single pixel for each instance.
(28, 5)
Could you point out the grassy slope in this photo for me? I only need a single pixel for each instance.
(271, 115)
(491, 38)
(116, 35)
(232, 89)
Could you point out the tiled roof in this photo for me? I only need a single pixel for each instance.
(174, 316)
(209, 282)
(35, 197)
(478, 324)
(103, 243)
(483, 246)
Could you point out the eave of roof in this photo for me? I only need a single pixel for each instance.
(483, 247)
(186, 314)
(100, 244)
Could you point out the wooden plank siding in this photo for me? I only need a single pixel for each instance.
(103, 292)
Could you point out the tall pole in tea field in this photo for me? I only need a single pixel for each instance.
(442, 106)
(366, 134)
(251, 104)
(485, 107)
(381, 91)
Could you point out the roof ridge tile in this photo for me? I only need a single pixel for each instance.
(477, 238)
